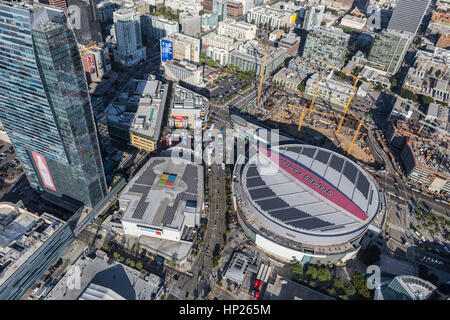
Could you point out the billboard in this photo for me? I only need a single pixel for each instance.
(42, 167)
(91, 66)
(99, 62)
(106, 60)
(166, 50)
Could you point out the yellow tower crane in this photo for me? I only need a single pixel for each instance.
(350, 97)
(316, 90)
(355, 136)
(263, 68)
(361, 123)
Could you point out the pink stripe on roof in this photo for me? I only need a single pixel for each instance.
(312, 181)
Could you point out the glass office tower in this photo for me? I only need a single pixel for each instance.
(44, 103)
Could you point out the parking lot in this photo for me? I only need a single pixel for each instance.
(226, 87)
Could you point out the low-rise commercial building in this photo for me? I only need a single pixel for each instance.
(301, 65)
(353, 22)
(213, 39)
(288, 78)
(164, 199)
(330, 90)
(96, 62)
(237, 29)
(402, 109)
(250, 56)
(187, 108)
(137, 115)
(427, 162)
(186, 71)
(291, 43)
(29, 245)
(184, 47)
(440, 115)
(271, 17)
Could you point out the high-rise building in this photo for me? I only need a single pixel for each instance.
(190, 24)
(45, 106)
(220, 7)
(328, 45)
(408, 15)
(388, 51)
(313, 16)
(85, 21)
(156, 28)
(128, 35)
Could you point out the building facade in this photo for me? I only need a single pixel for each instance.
(408, 15)
(249, 56)
(188, 72)
(328, 45)
(87, 25)
(156, 28)
(237, 30)
(49, 117)
(130, 50)
(388, 51)
(184, 47)
(29, 245)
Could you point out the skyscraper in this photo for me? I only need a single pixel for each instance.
(408, 15)
(87, 25)
(313, 16)
(44, 103)
(128, 35)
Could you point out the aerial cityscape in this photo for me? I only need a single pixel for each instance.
(228, 150)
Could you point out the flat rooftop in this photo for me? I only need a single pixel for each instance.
(432, 153)
(284, 289)
(103, 281)
(140, 108)
(21, 235)
(162, 191)
(186, 100)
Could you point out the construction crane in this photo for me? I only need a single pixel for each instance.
(263, 67)
(355, 136)
(316, 90)
(352, 92)
(361, 123)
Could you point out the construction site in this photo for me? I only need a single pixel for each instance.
(330, 128)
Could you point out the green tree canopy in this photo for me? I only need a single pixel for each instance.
(323, 274)
(349, 289)
(339, 283)
(297, 268)
(311, 272)
(360, 284)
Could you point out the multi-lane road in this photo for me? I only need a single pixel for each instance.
(204, 275)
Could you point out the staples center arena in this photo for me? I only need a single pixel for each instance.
(304, 202)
